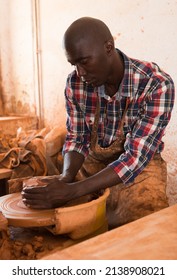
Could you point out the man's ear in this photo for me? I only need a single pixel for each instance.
(109, 46)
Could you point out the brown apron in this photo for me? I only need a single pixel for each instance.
(126, 203)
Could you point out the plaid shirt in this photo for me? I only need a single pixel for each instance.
(151, 94)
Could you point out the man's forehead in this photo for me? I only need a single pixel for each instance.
(81, 47)
(77, 54)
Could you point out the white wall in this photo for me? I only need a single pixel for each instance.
(16, 57)
(143, 29)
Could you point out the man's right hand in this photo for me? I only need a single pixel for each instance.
(47, 193)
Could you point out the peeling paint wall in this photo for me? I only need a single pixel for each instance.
(16, 57)
(143, 29)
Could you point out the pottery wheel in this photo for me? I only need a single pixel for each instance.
(19, 215)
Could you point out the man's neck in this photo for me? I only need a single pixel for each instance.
(113, 83)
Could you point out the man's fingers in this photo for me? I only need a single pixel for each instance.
(34, 189)
(32, 196)
(35, 204)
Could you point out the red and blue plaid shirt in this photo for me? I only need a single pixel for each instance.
(151, 94)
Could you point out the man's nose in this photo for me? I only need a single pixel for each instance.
(80, 71)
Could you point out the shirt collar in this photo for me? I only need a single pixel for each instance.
(127, 84)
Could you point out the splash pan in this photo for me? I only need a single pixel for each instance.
(77, 221)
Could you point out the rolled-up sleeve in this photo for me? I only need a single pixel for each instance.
(78, 135)
(145, 138)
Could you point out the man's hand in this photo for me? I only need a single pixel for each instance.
(55, 192)
(47, 193)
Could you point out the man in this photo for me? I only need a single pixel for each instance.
(117, 112)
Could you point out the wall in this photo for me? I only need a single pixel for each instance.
(143, 29)
(16, 57)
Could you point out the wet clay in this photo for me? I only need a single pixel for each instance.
(18, 214)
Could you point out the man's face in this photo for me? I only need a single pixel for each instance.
(92, 62)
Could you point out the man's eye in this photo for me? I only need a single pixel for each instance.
(84, 61)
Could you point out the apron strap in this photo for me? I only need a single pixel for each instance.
(94, 135)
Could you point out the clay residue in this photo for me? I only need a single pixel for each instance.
(170, 156)
(18, 250)
(29, 244)
(11, 249)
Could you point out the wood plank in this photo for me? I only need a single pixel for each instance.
(5, 173)
(152, 237)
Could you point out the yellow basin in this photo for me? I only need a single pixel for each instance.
(81, 220)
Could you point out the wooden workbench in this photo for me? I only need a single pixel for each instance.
(153, 237)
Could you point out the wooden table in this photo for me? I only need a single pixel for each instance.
(153, 237)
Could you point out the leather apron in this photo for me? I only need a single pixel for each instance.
(126, 203)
